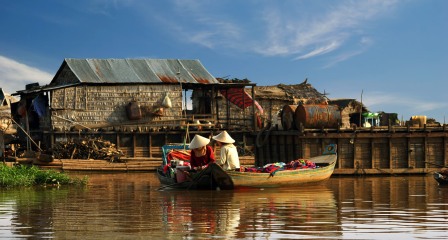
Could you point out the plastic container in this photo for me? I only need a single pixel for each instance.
(420, 120)
(174, 163)
(181, 175)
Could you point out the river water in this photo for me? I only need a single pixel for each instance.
(130, 206)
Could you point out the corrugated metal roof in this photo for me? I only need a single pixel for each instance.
(139, 71)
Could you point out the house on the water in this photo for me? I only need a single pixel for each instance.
(138, 104)
(143, 104)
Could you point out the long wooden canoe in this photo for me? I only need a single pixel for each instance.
(324, 169)
(214, 176)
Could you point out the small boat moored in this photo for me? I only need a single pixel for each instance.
(171, 176)
(324, 167)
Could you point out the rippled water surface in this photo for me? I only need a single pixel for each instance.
(130, 206)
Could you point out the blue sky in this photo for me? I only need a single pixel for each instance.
(394, 52)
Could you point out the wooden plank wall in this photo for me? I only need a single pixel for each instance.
(366, 153)
(363, 153)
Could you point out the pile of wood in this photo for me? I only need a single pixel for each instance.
(87, 149)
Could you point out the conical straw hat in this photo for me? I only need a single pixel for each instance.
(224, 137)
(198, 141)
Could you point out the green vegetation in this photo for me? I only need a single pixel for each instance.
(25, 176)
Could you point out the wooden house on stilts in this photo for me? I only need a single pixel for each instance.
(137, 104)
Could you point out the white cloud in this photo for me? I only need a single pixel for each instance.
(408, 106)
(217, 33)
(288, 29)
(342, 57)
(14, 75)
(322, 50)
(328, 30)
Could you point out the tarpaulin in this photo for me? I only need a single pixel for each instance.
(39, 103)
(240, 98)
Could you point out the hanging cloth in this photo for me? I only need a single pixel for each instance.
(39, 104)
(240, 98)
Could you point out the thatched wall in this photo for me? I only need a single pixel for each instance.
(105, 106)
(238, 118)
(228, 114)
(349, 108)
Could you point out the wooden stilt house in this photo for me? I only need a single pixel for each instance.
(138, 104)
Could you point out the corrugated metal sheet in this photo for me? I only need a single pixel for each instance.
(139, 71)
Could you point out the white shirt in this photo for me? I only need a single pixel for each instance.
(229, 157)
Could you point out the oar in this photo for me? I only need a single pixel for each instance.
(435, 164)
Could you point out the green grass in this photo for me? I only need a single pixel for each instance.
(25, 176)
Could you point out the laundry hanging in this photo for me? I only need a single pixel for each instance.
(39, 103)
(240, 98)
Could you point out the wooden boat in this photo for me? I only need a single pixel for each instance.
(440, 178)
(211, 178)
(324, 169)
(214, 176)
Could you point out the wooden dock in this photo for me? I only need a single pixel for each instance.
(375, 150)
(123, 165)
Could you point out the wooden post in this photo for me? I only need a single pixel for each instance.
(227, 111)
(339, 164)
(410, 162)
(2, 146)
(425, 149)
(254, 119)
(134, 145)
(216, 109)
(372, 148)
(213, 104)
(149, 145)
(118, 140)
(27, 128)
(390, 152)
(445, 156)
(244, 109)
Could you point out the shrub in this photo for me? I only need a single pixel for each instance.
(25, 176)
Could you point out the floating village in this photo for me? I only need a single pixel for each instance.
(117, 114)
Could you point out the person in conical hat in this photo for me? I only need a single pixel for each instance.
(201, 154)
(229, 159)
(224, 137)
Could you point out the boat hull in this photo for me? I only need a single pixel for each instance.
(289, 177)
(440, 179)
(214, 176)
(211, 178)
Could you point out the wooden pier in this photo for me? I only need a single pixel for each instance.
(375, 150)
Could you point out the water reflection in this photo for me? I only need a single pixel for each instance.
(129, 206)
(384, 207)
(251, 213)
